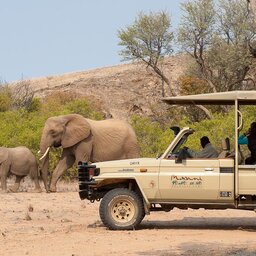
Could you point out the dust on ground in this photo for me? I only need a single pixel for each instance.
(61, 224)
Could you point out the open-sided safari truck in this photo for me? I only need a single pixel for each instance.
(129, 189)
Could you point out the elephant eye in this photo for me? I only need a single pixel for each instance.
(53, 133)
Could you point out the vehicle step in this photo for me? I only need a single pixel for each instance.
(247, 205)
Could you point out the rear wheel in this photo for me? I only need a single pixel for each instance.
(121, 209)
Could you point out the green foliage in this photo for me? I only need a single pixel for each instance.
(220, 127)
(23, 127)
(5, 99)
(218, 35)
(192, 85)
(148, 40)
(35, 105)
(84, 108)
(153, 138)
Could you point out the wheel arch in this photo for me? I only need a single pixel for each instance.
(131, 184)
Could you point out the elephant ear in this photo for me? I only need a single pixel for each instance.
(3, 154)
(76, 129)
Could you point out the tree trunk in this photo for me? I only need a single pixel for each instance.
(206, 111)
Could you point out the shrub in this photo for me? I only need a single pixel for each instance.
(152, 137)
(5, 99)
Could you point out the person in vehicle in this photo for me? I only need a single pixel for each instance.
(208, 150)
(250, 137)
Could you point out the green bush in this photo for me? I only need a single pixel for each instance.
(35, 105)
(84, 108)
(24, 126)
(5, 99)
(153, 138)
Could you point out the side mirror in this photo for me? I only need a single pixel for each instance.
(183, 155)
(178, 160)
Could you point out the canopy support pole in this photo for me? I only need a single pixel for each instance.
(237, 126)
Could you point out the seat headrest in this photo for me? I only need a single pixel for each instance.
(225, 144)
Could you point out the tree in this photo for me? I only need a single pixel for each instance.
(148, 40)
(22, 95)
(219, 39)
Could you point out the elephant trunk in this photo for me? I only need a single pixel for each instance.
(44, 169)
(44, 149)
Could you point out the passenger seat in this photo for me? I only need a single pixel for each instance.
(225, 148)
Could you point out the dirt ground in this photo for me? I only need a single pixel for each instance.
(61, 224)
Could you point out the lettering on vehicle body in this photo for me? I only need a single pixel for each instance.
(186, 181)
(126, 170)
(134, 162)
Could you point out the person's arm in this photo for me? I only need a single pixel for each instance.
(192, 153)
(204, 153)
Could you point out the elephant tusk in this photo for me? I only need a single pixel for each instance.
(46, 152)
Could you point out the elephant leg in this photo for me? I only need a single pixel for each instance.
(44, 172)
(65, 163)
(3, 182)
(4, 169)
(37, 188)
(16, 185)
(44, 177)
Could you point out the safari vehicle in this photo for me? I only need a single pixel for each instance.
(129, 189)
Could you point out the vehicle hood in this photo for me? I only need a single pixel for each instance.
(128, 163)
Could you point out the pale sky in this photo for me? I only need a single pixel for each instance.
(52, 37)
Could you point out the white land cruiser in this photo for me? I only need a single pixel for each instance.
(129, 189)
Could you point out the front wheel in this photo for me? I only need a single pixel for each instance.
(121, 209)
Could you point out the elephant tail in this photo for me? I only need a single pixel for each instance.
(34, 171)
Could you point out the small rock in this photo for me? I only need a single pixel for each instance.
(83, 205)
(28, 217)
(65, 220)
(95, 224)
(30, 208)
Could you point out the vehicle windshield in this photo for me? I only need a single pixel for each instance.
(180, 143)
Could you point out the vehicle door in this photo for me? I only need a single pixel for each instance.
(193, 179)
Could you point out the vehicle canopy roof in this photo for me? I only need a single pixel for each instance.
(218, 98)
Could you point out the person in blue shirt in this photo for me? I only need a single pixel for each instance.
(242, 140)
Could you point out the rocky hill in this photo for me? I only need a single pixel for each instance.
(121, 90)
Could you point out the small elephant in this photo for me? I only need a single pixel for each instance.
(87, 140)
(19, 161)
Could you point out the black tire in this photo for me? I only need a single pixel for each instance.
(121, 209)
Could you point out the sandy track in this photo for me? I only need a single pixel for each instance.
(61, 224)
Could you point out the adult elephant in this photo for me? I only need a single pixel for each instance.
(86, 140)
(21, 162)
